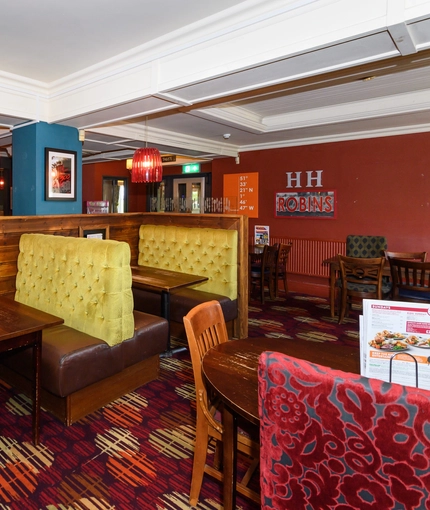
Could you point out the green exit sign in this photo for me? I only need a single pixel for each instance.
(191, 169)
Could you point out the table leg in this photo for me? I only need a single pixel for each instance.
(37, 357)
(165, 312)
(229, 439)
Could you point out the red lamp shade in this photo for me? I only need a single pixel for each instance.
(147, 166)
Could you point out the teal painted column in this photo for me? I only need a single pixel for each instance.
(28, 168)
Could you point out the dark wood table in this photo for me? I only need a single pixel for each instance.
(163, 282)
(230, 369)
(21, 326)
(333, 262)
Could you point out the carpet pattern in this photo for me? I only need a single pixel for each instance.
(136, 453)
(303, 318)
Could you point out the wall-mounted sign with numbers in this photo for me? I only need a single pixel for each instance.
(245, 188)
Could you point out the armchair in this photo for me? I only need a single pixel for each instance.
(332, 439)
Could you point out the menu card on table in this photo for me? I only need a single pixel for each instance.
(395, 337)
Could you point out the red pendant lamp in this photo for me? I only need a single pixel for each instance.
(147, 166)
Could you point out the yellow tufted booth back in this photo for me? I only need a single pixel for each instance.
(86, 282)
(207, 252)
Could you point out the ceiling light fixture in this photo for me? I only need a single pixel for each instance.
(147, 165)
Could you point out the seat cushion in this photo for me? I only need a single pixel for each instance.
(359, 287)
(72, 360)
(150, 338)
(181, 302)
(416, 295)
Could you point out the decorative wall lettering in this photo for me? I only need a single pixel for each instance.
(305, 204)
(313, 179)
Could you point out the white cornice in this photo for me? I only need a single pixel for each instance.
(343, 137)
(168, 138)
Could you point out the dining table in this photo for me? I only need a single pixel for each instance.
(230, 369)
(333, 262)
(164, 282)
(21, 327)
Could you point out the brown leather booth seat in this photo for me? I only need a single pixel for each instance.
(73, 361)
(181, 302)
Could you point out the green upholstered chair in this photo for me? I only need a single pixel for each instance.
(366, 247)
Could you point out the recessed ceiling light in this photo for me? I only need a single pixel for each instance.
(368, 78)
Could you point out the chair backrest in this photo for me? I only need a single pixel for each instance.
(410, 279)
(332, 439)
(356, 272)
(365, 246)
(270, 254)
(282, 258)
(420, 256)
(205, 327)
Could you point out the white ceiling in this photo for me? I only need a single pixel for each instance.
(182, 74)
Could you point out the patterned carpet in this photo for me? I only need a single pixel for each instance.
(137, 452)
(303, 318)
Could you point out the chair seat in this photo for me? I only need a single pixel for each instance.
(359, 287)
(416, 295)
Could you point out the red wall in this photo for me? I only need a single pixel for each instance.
(92, 184)
(382, 186)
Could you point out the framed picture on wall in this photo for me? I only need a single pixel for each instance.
(60, 174)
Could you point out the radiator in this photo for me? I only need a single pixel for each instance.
(307, 255)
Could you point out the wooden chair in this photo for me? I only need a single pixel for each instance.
(410, 280)
(205, 327)
(263, 274)
(360, 278)
(333, 439)
(419, 256)
(281, 267)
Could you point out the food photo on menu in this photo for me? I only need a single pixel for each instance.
(396, 342)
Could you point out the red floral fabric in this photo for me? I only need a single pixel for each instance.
(336, 440)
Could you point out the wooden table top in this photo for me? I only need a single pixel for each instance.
(231, 367)
(17, 319)
(333, 262)
(152, 278)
